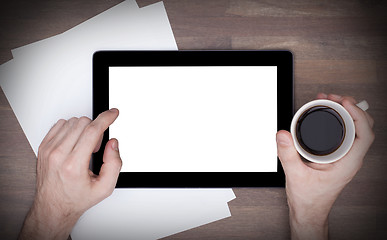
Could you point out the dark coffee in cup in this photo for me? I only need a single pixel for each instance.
(320, 130)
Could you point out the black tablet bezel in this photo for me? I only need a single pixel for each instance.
(102, 60)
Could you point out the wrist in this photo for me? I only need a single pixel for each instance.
(308, 224)
(45, 220)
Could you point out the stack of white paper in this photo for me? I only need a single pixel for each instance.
(152, 214)
(51, 79)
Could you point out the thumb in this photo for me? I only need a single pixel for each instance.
(287, 153)
(110, 169)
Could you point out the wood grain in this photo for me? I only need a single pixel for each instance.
(338, 46)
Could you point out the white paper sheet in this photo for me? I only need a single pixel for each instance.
(51, 79)
(152, 213)
(103, 20)
(55, 76)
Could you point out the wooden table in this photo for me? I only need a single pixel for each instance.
(339, 47)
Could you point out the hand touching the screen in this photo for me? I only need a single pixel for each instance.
(312, 188)
(66, 187)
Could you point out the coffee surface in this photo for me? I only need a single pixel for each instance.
(320, 130)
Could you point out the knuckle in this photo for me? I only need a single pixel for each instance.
(120, 164)
(70, 169)
(61, 121)
(117, 164)
(91, 129)
(84, 120)
(73, 119)
(350, 99)
(347, 101)
(54, 156)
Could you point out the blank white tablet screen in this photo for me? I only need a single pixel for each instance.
(195, 119)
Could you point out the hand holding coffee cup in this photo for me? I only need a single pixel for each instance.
(323, 131)
(312, 188)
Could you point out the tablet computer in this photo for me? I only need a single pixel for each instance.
(195, 118)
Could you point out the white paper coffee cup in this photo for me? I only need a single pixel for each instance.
(348, 131)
